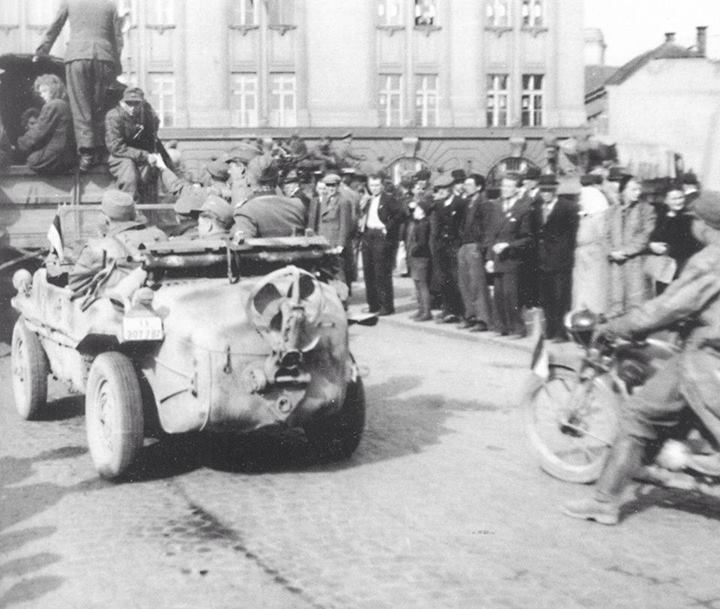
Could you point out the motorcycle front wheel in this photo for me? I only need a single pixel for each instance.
(571, 423)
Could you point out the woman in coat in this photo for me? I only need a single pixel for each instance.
(50, 142)
(628, 229)
(591, 270)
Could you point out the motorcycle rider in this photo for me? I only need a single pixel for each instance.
(691, 378)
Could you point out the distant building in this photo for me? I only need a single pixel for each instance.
(667, 97)
(385, 68)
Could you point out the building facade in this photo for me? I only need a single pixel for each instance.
(431, 69)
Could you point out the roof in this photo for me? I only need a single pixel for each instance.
(596, 76)
(667, 50)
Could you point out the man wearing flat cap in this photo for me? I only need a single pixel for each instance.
(216, 218)
(267, 214)
(187, 210)
(123, 233)
(131, 138)
(331, 216)
(690, 378)
(554, 225)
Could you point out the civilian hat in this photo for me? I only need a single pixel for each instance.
(218, 169)
(242, 153)
(218, 208)
(423, 174)
(189, 202)
(291, 177)
(458, 175)
(548, 182)
(118, 205)
(532, 173)
(442, 181)
(331, 179)
(707, 208)
(616, 173)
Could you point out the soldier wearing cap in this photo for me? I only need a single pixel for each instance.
(216, 218)
(331, 216)
(187, 210)
(688, 379)
(267, 214)
(449, 210)
(554, 225)
(92, 61)
(123, 233)
(131, 138)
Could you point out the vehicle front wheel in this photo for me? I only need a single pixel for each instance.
(571, 422)
(113, 414)
(336, 436)
(29, 372)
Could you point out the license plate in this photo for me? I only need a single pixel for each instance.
(147, 327)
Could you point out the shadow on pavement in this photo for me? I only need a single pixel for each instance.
(690, 502)
(68, 407)
(395, 427)
(19, 503)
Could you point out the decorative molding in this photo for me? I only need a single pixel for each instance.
(390, 29)
(535, 29)
(283, 29)
(498, 30)
(427, 29)
(243, 29)
(160, 27)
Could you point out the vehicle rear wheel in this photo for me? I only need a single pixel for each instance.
(337, 436)
(29, 371)
(571, 423)
(113, 414)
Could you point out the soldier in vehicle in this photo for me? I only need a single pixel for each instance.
(689, 379)
(267, 214)
(92, 61)
(131, 138)
(291, 187)
(216, 219)
(187, 211)
(103, 262)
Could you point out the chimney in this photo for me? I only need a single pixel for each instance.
(669, 37)
(701, 43)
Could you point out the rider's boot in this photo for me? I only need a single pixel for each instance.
(604, 506)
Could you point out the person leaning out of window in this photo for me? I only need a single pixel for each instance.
(50, 143)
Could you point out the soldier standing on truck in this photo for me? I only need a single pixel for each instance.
(92, 61)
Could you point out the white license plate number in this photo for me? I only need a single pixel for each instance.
(142, 328)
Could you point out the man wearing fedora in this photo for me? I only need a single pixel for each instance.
(131, 137)
(123, 231)
(554, 226)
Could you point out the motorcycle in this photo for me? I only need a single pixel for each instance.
(571, 407)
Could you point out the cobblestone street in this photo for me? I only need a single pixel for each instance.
(442, 505)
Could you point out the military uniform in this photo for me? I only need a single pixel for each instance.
(92, 60)
(267, 214)
(130, 139)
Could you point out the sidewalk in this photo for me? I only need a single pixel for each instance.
(406, 305)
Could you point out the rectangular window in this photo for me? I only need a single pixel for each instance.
(425, 12)
(282, 100)
(160, 13)
(497, 100)
(533, 13)
(390, 12)
(497, 13)
(244, 100)
(281, 12)
(531, 112)
(426, 100)
(245, 12)
(390, 100)
(162, 97)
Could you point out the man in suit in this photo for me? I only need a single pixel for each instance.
(92, 61)
(380, 224)
(471, 256)
(449, 209)
(267, 214)
(554, 225)
(529, 274)
(507, 238)
(330, 216)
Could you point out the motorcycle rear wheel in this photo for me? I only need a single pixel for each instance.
(571, 423)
